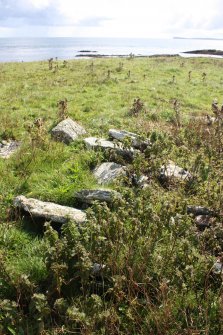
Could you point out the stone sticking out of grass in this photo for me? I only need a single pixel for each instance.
(67, 131)
(171, 170)
(107, 172)
(198, 210)
(49, 211)
(94, 142)
(121, 135)
(204, 221)
(100, 143)
(141, 181)
(8, 148)
(89, 196)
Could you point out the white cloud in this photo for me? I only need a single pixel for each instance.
(116, 18)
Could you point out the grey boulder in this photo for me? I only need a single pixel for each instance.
(67, 131)
(49, 211)
(108, 172)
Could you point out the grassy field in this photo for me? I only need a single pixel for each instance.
(158, 273)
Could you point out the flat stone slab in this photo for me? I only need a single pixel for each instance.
(67, 131)
(8, 148)
(94, 142)
(171, 170)
(89, 196)
(49, 210)
(121, 135)
(108, 172)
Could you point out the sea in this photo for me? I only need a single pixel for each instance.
(64, 48)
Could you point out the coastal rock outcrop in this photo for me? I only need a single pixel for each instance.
(67, 131)
(49, 211)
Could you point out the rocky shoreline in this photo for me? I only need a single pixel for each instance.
(94, 54)
(211, 52)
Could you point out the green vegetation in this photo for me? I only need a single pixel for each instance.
(155, 267)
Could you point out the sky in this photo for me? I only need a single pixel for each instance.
(111, 18)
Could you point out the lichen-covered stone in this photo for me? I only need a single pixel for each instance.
(107, 172)
(49, 211)
(67, 131)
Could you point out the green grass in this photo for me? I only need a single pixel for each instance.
(158, 276)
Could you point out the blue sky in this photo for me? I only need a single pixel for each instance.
(111, 18)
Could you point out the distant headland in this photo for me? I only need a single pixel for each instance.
(197, 38)
(211, 52)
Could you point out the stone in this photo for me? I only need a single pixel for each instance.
(198, 210)
(49, 211)
(141, 181)
(203, 221)
(121, 135)
(100, 143)
(89, 196)
(171, 170)
(8, 148)
(67, 131)
(218, 268)
(108, 172)
(97, 269)
(94, 142)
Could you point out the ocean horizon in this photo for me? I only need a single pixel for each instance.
(64, 48)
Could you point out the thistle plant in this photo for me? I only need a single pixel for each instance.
(62, 109)
(50, 61)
